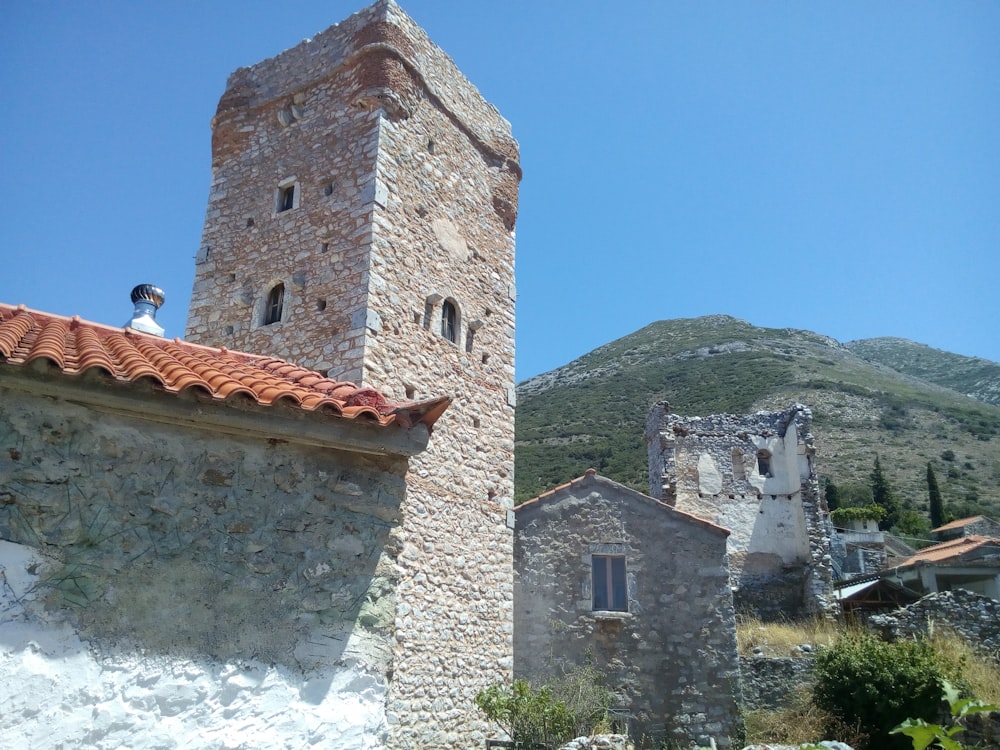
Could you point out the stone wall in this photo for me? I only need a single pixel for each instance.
(406, 186)
(169, 579)
(974, 617)
(671, 657)
(756, 476)
(769, 682)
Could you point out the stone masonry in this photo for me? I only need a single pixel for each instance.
(756, 476)
(223, 586)
(363, 177)
(669, 649)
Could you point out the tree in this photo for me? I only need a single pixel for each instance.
(936, 503)
(831, 493)
(883, 496)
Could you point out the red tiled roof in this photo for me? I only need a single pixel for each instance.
(959, 523)
(955, 548)
(77, 346)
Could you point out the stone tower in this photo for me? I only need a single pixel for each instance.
(756, 476)
(361, 223)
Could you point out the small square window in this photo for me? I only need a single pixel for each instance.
(609, 583)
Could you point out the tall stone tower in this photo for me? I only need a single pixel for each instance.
(361, 223)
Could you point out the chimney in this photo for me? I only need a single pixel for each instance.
(147, 300)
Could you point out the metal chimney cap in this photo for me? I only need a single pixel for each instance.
(147, 300)
(149, 293)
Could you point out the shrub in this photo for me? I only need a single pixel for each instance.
(875, 685)
(529, 717)
(872, 512)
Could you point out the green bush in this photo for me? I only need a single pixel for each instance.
(868, 512)
(875, 685)
(529, 717)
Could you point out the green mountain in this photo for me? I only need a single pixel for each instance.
(974, 377)
(866, 398)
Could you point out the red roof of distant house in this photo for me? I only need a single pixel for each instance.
(954, 549)
(77, 346)
(959, 523)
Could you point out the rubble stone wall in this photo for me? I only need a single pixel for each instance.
(974, 617)
(174, 579)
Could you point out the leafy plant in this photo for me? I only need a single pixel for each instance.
(867, 512)
(530, 717)
(924, 735)
(876, 685)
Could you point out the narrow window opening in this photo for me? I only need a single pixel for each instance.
(325, 247)
(320, 305)
(739, 473)
(249, 222)
(449, 321)
(486, 358)
(411, 392)
(272, 307)
(469, 336)
(430, 146)
(286, 198)
(609, 583)
(231, 278)
(475, 421)
(764, 462)
(328, 189)
(428, 314)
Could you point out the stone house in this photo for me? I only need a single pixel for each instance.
(227, 523)
(756, 476)
(639, 589)
(975, 525)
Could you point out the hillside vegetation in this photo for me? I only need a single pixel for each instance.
(866, 399)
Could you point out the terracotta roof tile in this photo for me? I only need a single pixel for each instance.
(953, 549)
(76, 346)
(959, 523)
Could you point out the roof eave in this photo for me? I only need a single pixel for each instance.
(241, 417)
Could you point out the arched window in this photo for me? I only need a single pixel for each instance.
(272, 306)
(449, 321)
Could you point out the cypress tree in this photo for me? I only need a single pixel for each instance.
(832, 494)
(936, 502)
(883, 496)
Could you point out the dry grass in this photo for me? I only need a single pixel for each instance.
(782, 638)
(978, 675)
(799, 724)
(802, 722)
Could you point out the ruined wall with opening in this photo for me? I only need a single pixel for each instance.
(756, 476)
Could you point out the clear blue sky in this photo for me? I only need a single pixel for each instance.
(832, 166)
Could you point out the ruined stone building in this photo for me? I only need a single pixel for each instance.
(754, 475)
(640, 590)
(218, 523)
